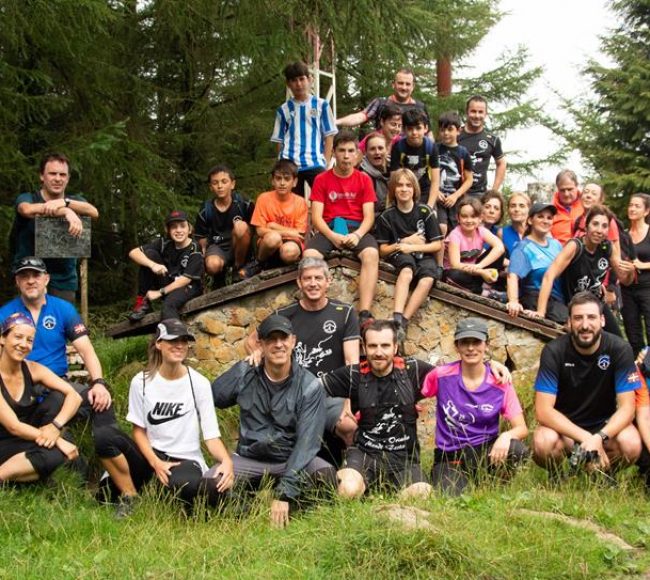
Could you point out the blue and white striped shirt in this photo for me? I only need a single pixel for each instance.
(301, 127)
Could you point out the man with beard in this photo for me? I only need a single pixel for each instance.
(384, 389)
(585, 391)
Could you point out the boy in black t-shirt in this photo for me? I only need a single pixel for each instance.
(223, 226)
(408, 236)
(170, 268)
(418, 153)
(455, 170)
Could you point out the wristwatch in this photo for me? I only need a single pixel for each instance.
(98, 381)
(603, 435)
(162, 291)
(57, 425)
(67, 201)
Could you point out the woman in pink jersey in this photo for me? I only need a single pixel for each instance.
(469, 403)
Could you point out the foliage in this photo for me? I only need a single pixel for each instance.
(612, 126)
(145, 96)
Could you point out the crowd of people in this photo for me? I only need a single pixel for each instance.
(324, 397)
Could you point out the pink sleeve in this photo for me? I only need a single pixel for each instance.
(454, 236)
(430, 385)
(511, 406)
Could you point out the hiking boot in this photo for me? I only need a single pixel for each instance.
(249, 270)
(125, 506)
(365, 318)
(141, 309)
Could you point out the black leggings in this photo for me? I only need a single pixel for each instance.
(453, 470)
(186, 480)
(44, 460)
(636, 315)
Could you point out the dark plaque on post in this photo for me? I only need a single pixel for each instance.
(52, 239)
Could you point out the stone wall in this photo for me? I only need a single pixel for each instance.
(221, 332)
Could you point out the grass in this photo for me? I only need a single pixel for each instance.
(60, 530)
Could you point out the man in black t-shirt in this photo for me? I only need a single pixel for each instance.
(327, 337)
(384, 389)
(223, 226)
(482, 145)
(584, 391)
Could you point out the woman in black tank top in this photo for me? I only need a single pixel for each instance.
(584, 263)
(31, 446)
(636, 296)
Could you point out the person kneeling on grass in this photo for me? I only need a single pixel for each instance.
(280, 219)
(170, 406)
(281, 419)
(31, 445)
(409, 237)
(171, 269)
(469, 403)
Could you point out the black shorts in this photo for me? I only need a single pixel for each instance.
(223, 251)
(425, 267)
(383, 470)
(321, 244)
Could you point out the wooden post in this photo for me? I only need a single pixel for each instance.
(83, 278)
(443, 73)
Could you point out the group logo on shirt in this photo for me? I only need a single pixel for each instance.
(49, 322)
(603, 362)
(329, 326)
(603, 264)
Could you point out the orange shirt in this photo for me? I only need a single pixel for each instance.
(565, 218)
(290, 212)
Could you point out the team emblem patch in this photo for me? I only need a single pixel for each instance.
(79, 328)
(633, 377)
(49, 322)
(603, 264)
(332, 195)
(329, 326)
(482, 144)
(603, 362)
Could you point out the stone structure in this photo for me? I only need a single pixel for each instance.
(223, 319)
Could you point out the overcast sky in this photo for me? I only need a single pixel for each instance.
(560, 36)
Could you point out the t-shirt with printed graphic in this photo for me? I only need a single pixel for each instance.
(58, 323)
(530, 260)
(481, 147)
(174, 413)
(320, 334)
(216, 225)
(587, 271)
(420, 160)
(343, 196)
(394, 224)
(301, 127)
(454, 161)
(586, 385)
(290, 212)
(464, 417)
(391, 432)
(187, 261)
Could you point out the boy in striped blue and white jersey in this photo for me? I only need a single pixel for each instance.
(304, 127)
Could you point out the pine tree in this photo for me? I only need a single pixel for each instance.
(612, 129)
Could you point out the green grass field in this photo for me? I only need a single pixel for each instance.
(59, 530)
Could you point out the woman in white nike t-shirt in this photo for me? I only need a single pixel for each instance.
(170, 407)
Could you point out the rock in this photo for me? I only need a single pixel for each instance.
(234, 333)
(212, 326)
(240, 316)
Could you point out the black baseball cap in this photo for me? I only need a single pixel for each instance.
(30, 263)
(471, 328)
(540, 206)
(171, 329)
(176, 216)
(273, 323)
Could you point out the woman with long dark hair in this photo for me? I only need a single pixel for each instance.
(584, 263)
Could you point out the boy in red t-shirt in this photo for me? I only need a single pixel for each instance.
(343, 213)
(280, 218)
